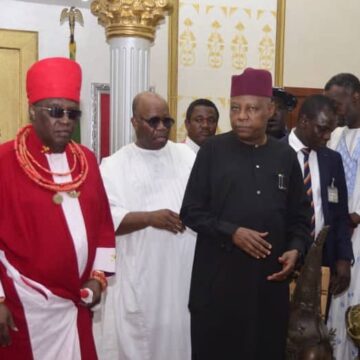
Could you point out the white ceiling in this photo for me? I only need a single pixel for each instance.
(66, 3)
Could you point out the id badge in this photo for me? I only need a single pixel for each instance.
(333, 194)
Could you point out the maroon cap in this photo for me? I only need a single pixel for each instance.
(255, 82)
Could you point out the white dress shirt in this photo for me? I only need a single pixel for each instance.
(297, 145)
(192, 145)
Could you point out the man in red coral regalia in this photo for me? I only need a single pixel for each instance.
(56, 232)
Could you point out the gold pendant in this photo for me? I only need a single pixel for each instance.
(74, 194)
(57, 199)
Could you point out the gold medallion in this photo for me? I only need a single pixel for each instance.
(57, 199)
(74, 194)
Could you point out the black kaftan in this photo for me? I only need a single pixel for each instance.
(236, 312)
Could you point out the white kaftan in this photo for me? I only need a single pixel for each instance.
(344, 348)
(145, 314)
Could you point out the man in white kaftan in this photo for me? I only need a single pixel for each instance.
(145, 314)
(345, 90)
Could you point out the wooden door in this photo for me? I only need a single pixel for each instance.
(18, 51)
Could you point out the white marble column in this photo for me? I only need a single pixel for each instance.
(130, 29)
(129, 75)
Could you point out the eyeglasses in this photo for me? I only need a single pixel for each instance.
(58, 112)
(154, 121)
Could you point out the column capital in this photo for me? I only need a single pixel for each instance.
(130, 17)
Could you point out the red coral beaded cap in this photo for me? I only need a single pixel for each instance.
(54, 78)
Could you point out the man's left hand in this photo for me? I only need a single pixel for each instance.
(355, 219)
(340, 280)
(288, 260)
(95, 286)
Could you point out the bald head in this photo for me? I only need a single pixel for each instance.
(151, 120)
(145, 98)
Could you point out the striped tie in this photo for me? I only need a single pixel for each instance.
(308, 189)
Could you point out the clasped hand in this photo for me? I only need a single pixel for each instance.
(254, 244)
(95, 287)
(167, 220)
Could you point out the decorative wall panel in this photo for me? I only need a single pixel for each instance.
(216, 39)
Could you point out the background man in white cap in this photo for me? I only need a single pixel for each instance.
(245, 199)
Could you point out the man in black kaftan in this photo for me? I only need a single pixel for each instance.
(245, 199)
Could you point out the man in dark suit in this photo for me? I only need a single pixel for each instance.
(324, 181)
(246, 201)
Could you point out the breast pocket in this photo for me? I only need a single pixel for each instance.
(280, 188)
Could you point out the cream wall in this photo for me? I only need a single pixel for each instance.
(321, 39)
(92, 50)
